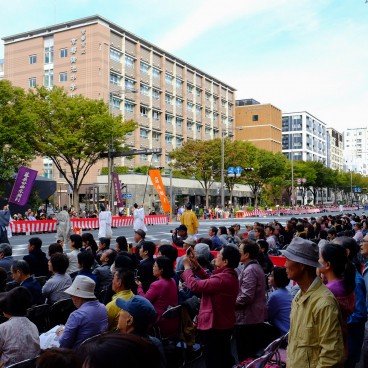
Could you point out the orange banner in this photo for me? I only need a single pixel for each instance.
(156, 179)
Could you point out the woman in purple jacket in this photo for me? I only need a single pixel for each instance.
(251, 308)
(217, 311)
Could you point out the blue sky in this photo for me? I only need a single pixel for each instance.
(296, 54)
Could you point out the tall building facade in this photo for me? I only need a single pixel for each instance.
(171, 100)
(356, 150)
(259, 124)
(335, 149)
(304, 137)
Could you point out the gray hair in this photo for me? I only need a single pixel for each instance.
(6, 249)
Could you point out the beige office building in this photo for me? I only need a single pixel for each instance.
(335, 149)
(258, 123)
(170, 99)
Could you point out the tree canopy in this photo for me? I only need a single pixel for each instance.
(73, 131)
(17, 131)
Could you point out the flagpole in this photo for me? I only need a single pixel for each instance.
(145, 188)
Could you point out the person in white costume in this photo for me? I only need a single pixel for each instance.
(105, 219)
(138, 215)
(63, 226)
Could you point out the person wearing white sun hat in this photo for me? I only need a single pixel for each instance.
(88, 320)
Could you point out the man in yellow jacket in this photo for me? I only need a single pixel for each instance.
(190, 220)
(315, 337)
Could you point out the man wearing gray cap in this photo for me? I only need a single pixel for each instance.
(315, 337)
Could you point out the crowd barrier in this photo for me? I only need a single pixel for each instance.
(287, 211)
(49, 226)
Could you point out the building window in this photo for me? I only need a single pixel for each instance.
(198, 92)
(199, 128)
(155, 115)
(129, 84)
(143, 157)
(48, 78)
(179, 141)
(189, 125)
(179, 83)
(144, 111)
(63, 53)
(115, 79)
(63, 77)
(190, 88)
(168, 119)
(49, 55)
(144, 68)
(156, 73)
(32, 82)
(145, 90)
(208, 113)
(179, 122)
(179, 102)
(168, 99)
(143, 133)
(189, 106)
(115, 102)
(129, 61)
(198, 110)
(128, 107)
(115, 55)
(208, 131)
(155, 94)
(208, 96)
(156, 136)
(32, 59)
(168, 139)
(167, 159)
(255, 118)
(155, 157)
(215, 117)
(169, 79)
(223, 103)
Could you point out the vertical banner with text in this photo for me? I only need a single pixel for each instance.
(23, 186)
(156, 179)
(117, 189)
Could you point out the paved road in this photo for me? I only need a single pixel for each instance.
(155, 233)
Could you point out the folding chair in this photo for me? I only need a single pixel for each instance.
(60, 311)
(28, 363)
(41, 280)
(39, 315)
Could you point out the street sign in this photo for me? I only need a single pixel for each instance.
(231, 170)
(127, 195)
(238, 170)
(357, 190)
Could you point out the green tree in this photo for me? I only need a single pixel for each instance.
(17, 131)
(73, 131)
(266, 165)
(237, 153)
(201, 160)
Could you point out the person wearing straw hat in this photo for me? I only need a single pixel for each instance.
(315, 338)
(88, 320)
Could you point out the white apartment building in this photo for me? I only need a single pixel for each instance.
(335, 149)
(356, 150)
(304, 137)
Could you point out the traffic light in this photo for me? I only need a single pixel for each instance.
(248, 169)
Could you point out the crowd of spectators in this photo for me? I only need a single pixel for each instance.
(227, 286)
